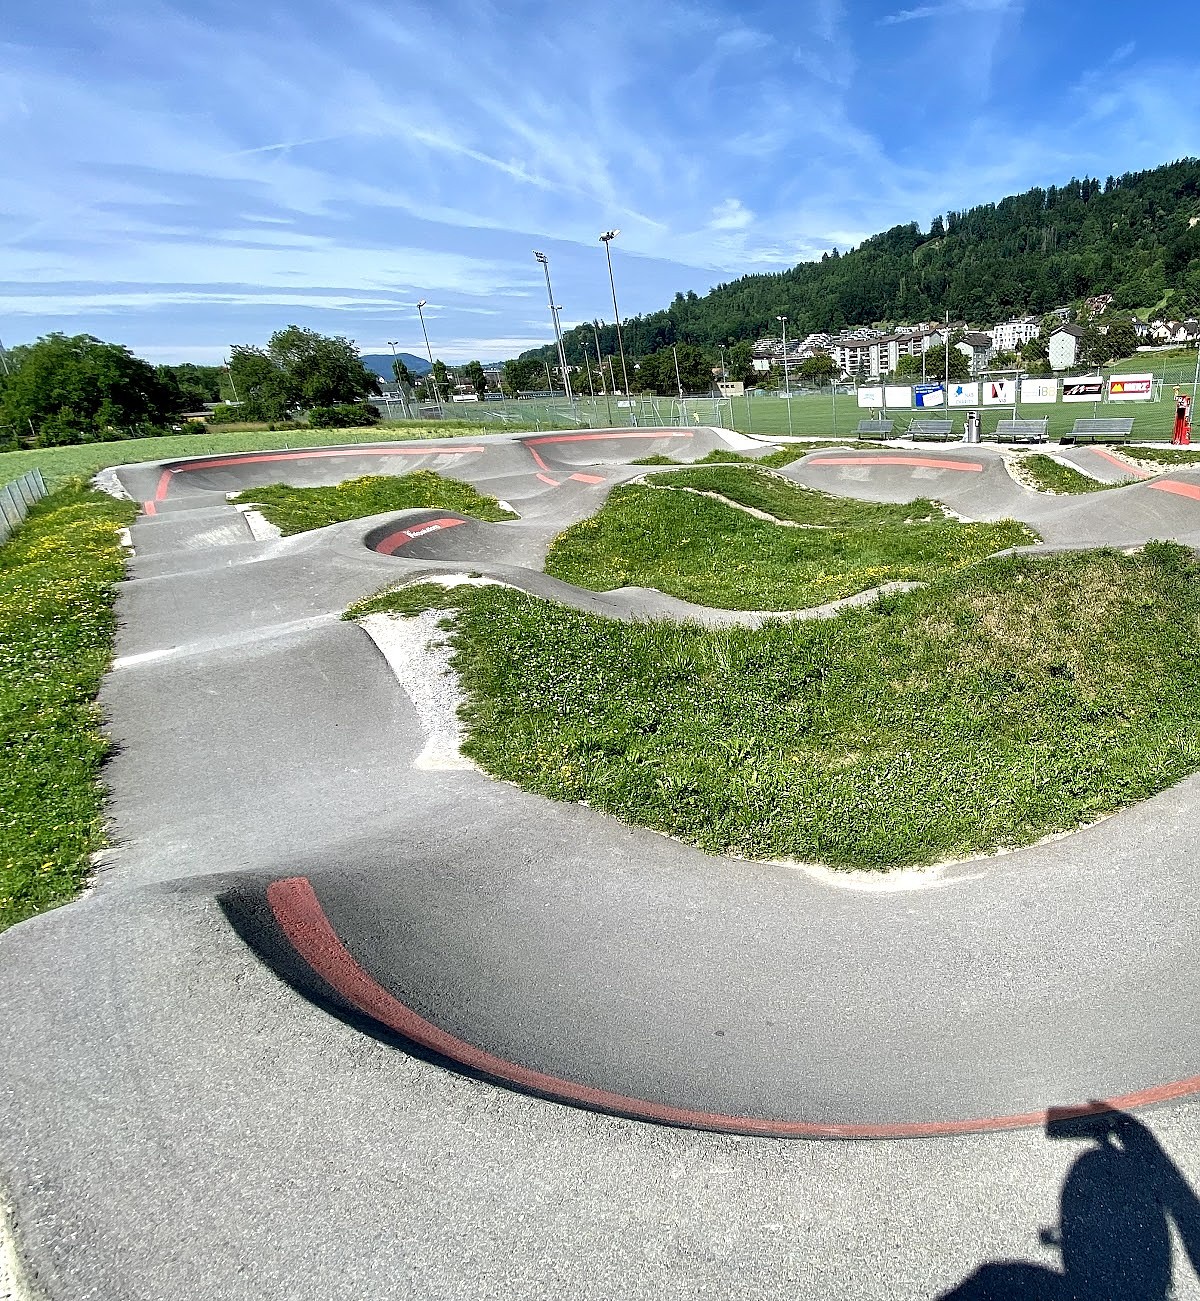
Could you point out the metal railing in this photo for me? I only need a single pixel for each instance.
(15, 500)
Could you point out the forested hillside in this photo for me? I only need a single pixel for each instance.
(1135, 236)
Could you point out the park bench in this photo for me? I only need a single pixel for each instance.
(875, 428)
(932, 430)
(1106, 429)
(1022, 431)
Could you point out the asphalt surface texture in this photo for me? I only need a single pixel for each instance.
(330, 1025)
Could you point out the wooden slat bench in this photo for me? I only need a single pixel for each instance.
(875, 428)
(932, 430)
(1022, 431)
(1104, 429)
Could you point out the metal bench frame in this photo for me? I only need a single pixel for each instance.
(880, 428)
(933, 430)
(1021, 430)
(1099, 429)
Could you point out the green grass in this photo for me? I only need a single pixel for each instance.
(704, 551)
(59, 464)
(297, 510)
(1164, 455)
(1051, 476)
(784, 500)
(1017, 698)
(57, 579)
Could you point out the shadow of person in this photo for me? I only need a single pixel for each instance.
(1118, 1202)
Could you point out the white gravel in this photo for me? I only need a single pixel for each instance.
(107, 481)
(418, 653)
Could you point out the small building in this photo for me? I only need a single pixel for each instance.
(1064, 347)
(731, 388)
(1011, 335)
(978, 349)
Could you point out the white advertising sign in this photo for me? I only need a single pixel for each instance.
(1083, 390)
(870, 397)
(1130, 388)
(897, 395)
(964, 395)
(1039, 390)
(999, 392)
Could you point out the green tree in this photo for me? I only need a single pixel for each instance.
(442, 383)
(264, 390)
(473, 375)
(325, 370)
(820, 368)
(403, 376)
(76, 388)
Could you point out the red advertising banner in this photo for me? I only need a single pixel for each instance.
(1130, 388)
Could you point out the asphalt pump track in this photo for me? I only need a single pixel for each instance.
(266, 802)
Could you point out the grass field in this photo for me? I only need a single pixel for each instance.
(57, 579)
(297, 510)
(713, 554)
(1001, 703)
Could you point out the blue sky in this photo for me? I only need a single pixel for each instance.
(182, 176)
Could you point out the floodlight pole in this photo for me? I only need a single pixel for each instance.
(600, 363)
(395, 367)
(562, 356)
(678, 381)
(606, 239)
(437, 396)
(787, 383)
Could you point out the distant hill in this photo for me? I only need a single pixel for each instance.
(381, 363)
(1135, 236)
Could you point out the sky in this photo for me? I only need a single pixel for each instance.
(178, 177)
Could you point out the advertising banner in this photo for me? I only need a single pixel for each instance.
(897, 395)
(999, 392)
(1130, 388)
(1039, 390)
(964, 395)
(870, 397)
(928, 395)
(1083, 390)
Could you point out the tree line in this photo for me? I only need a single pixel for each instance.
(1135, 236)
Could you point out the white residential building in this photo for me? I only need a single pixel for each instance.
(1010, 336)
(1064, 346)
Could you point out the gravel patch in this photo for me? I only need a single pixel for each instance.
(418, 652)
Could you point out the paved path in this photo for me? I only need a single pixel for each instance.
(178, 1121)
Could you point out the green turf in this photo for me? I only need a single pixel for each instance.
(1049, 475)
(704, 551)
(297, 510)
(1004, 702)
(57, 579)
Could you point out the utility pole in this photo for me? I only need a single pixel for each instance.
(437, 394)
(787, 383)
(399, 387)
(603, 381)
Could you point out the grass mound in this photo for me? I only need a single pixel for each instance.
(1006, 702)
(58, 575)
(1164, 455)
(297, 510)
(705, 551)
(1049, 475)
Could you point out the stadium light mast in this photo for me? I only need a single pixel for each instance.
(606, 239)
(603, 382)
(787, 383)
(437, 396)
(399, 387)
(562, 356)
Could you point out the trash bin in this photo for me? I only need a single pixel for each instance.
(972, 427)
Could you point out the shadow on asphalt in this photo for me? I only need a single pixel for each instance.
(1118, 1202)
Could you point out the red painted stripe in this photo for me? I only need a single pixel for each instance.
(584, 438)
(149, 508)
(927, 461)
(394, 541)
(303, 921)
(1125, 465)
(1180, 489)
(588, 478)
(258, 458)
(537, 460)
(545, 478)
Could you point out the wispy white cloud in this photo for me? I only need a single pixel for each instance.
(950, 9)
